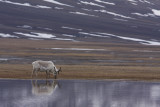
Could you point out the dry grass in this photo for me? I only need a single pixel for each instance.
(85, 72)
(84, 68)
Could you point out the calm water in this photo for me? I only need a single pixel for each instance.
(78, 93)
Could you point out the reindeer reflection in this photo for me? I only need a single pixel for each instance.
(45, 88)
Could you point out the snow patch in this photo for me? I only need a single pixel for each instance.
(45, 7)
(58, 3)
(144, 42)
(145, 1)
(133, 2)
(58, 8)
(86, 9)
(91, 34)
(25, 27)
(40, 36)
(64, 39)
(91, 3)
(7, 35)
(36, 35)
(65, 27)
(25, 4)
(120, 19)
(109, 3)
(114, 14)
(85, 14)
(35, 39)
(156, 12)
(45, 28)
(68, 35)
(144, 15)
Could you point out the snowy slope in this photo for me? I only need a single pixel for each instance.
(126, 21)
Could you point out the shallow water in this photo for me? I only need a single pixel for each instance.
(78, 93)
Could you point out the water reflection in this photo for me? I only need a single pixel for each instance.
(46, 87)
(78, 93)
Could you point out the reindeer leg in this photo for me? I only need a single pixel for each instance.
(32, 73)
(49, 74)
(55, 74)
(46, 74)
(36, 73)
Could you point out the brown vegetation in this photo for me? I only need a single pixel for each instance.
(116, 61)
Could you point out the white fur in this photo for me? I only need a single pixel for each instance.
(44, 66)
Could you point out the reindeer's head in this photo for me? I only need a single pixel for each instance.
(56, 72)
(60, 70)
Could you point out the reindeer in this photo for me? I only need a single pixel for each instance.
(45, 66)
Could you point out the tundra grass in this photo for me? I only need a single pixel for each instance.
(84, 72)
(116, 61)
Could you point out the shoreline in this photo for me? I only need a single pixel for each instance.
(88, 80)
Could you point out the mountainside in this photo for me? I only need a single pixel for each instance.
(124, 21)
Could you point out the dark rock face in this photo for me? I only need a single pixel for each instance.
(87, 20)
